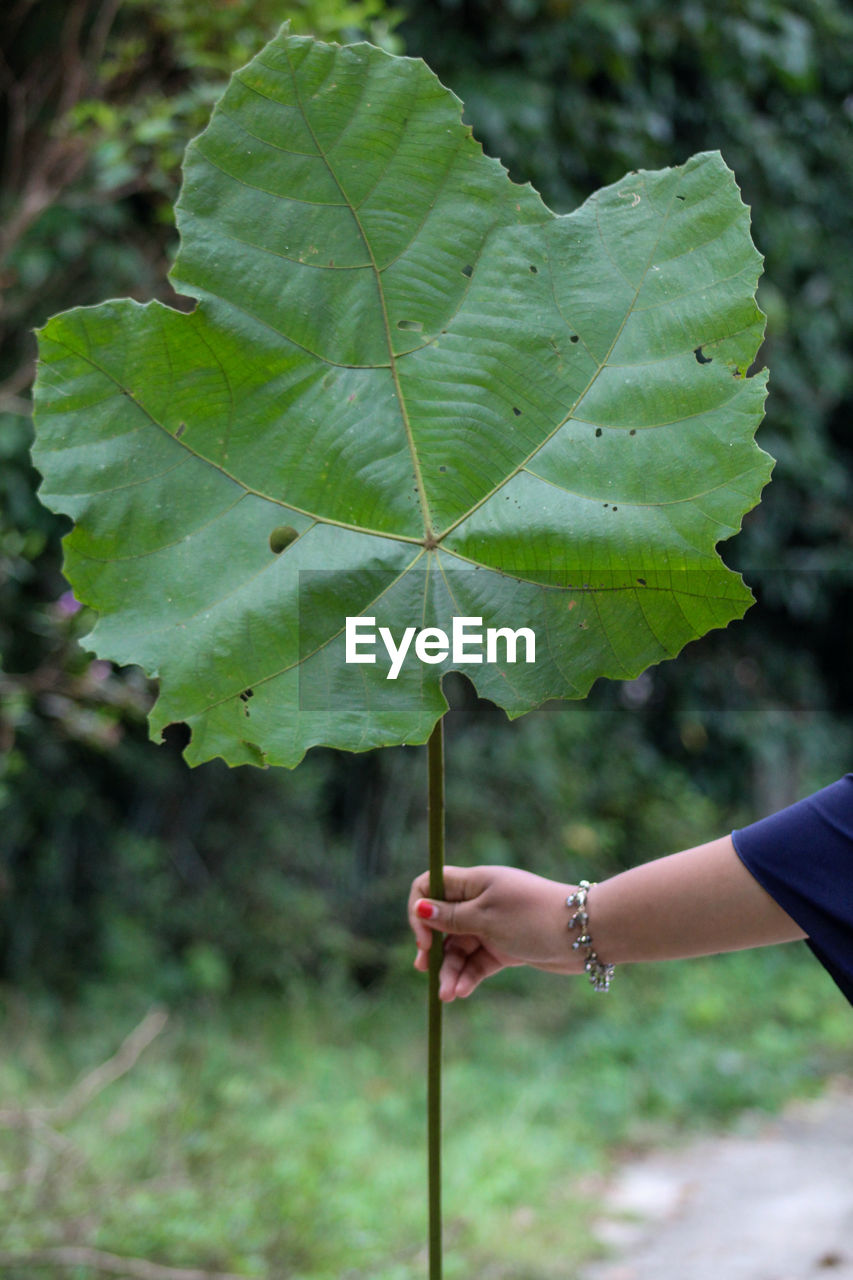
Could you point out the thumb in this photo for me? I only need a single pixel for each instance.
(447, 917)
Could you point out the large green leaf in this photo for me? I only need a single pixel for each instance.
(407, 391)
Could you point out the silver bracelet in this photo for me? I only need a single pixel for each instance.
(599, 973)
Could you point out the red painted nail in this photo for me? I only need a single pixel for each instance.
(426, 910)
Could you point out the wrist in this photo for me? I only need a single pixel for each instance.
(599, 971)
(557, 955)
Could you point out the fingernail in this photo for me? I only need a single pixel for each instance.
(425, 910)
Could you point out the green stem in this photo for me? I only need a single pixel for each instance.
(435, 752)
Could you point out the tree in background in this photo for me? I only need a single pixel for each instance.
(117, 861)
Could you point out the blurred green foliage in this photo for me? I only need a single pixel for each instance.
(117, 861)
(269, 1137)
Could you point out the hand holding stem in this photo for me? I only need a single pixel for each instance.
(697, 902)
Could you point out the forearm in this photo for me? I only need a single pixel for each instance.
(699, 902)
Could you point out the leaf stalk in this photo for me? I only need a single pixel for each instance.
(435, 754)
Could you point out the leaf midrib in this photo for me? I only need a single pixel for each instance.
(429, 536)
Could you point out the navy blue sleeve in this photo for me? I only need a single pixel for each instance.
(803, 857)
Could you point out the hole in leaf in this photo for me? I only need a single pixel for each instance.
(176, 735)
(642, 581)
(442, 468)
(415, 326)
(247, 694)
(535, 270)
(615, 508)
(180, 431)
(468, 270)
(282, 537)
(597, 432)
(681, 197)
(701, 358)
(516, 411)
(633, 431)
(574, 338)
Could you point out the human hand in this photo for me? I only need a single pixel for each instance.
(493, 917)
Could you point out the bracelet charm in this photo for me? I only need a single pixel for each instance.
(599, 973)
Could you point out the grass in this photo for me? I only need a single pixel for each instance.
(287, 1140)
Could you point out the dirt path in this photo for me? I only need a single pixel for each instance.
(774, 1205)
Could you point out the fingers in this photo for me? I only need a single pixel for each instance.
(456, 913)
(464, 967)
